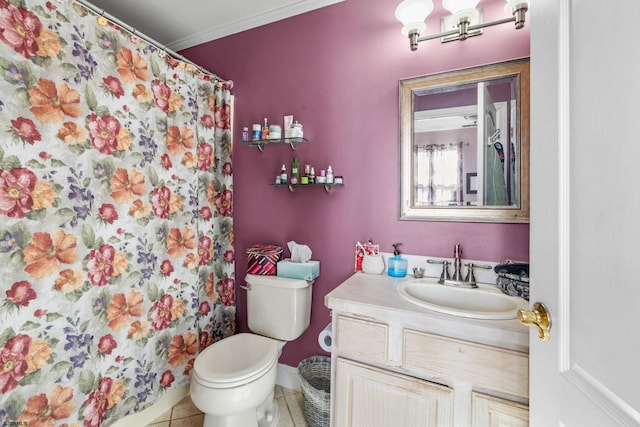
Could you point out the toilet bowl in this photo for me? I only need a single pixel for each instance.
(233, 381)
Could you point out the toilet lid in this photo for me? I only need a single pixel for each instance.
(237, 358)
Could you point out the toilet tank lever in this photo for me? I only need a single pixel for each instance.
(246, 288)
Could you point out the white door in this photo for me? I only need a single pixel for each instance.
(585, 212)
(486, 128)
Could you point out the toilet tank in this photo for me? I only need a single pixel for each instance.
(278, 307)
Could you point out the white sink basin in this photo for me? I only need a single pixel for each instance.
(484, 302)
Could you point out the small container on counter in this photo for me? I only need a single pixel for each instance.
(338, 179)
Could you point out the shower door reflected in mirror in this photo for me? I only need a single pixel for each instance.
(464, 145)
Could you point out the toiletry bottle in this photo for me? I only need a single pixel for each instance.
(295, 169)
(397, 264)
(245, 133)
(265, 130)
(255, 132)
(329, 175)
(312, 176)
(283, 175)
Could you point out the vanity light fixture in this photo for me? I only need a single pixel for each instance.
(465, 19)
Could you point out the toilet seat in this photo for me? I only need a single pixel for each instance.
(236, 360)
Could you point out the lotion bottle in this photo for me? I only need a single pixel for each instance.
(295, 169)
(397, 265)
(329, 175)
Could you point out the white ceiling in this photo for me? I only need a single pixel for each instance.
(179, 24)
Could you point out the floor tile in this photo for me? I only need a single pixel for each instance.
(285, 417)
(278, 391)
(192, 421)
(184, 408)
(296, 409)
(160, 424)
(288, 391)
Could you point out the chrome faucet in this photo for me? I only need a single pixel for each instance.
(457, 263)
(469, 281)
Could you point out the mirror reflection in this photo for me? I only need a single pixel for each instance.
(464, 145)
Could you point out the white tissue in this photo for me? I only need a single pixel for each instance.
(299, 253)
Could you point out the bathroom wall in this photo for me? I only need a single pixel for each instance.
(337, 70)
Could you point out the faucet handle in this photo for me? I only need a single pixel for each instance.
(444, 275)
(471, 278)
(445, 269)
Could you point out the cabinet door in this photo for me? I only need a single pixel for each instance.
(489, 411)
(365, 396)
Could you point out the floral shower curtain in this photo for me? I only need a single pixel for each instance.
(116, 227)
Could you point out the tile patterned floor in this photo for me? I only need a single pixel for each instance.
(184, 414)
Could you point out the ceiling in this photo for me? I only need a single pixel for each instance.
(185, 23)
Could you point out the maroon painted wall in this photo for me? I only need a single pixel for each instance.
(337, 71)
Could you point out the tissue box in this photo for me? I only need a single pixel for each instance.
(299, 270)
(263, 259)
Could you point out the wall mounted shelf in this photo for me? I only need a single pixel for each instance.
(327, 187)
(293, 142)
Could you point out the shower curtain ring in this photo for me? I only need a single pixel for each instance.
(102, 21)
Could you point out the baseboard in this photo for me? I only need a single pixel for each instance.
(152, 413)
(288, 377)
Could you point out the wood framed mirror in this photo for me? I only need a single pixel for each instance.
(464, 145)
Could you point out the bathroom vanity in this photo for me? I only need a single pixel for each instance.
(396, 363)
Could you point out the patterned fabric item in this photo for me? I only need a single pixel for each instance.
(263, 259)
(116, 226)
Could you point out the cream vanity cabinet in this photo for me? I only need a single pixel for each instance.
(394, 364)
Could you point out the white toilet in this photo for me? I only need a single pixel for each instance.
(233, 379)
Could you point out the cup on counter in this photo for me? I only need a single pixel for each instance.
(418, 272)
(372, 264)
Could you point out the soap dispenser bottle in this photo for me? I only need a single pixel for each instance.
(397, 265)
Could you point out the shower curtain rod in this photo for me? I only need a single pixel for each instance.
(101, 12)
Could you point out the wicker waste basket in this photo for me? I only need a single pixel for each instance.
(315, 379)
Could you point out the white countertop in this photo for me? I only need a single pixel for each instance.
(375, 297)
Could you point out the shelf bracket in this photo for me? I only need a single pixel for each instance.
(261, 146)
(291, 187)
